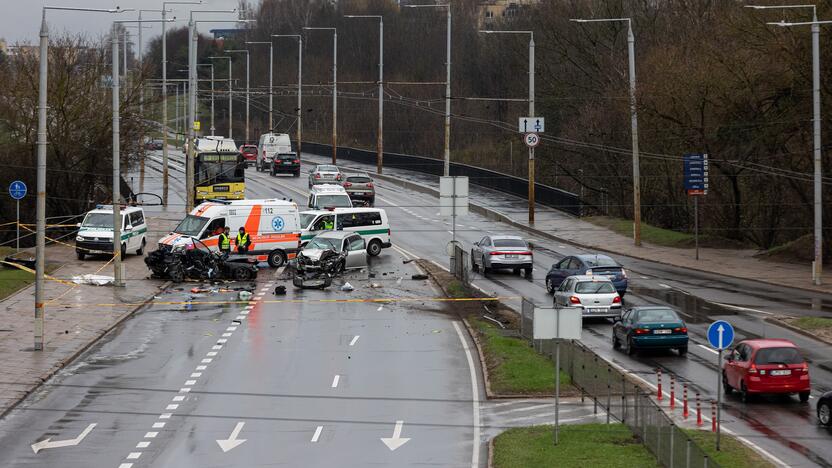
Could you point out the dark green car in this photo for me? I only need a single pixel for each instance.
(650, 327)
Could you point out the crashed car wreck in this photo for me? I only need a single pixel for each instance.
(196, 261)
(326, 256)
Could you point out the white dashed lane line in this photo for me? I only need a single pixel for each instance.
(335, 381)
(354, 340)
(317, 434)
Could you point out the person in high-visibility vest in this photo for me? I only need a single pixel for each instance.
(225, 241)
(243, 241)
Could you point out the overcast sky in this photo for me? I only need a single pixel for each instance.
(20, 19)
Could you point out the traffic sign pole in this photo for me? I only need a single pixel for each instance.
(17, 225)
(720, 336)
(17, 190)
(718, 397)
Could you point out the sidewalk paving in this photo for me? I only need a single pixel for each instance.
(561, 226)
(70, 326)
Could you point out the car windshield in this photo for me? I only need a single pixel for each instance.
(324, 243)
(98, 220)
(599, 261)
(305, 219)
(327, 169)
(594, 287)
(335, 201)
(657, 315)
(509, 243)
(191, 225)
(778, 356)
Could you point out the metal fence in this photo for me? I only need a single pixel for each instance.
(621, 398)
(544, 194)
(460, 266)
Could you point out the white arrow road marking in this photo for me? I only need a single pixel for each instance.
(48, 444)
(232, 441)
(397, 440)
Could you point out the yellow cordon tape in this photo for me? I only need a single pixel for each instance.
(21, 267)
(296, 301)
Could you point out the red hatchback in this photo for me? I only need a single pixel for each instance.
(768, 366)
(249, 152)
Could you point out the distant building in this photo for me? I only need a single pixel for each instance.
(227, 33)
(491, 11)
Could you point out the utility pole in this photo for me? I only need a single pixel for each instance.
(230, 77)
(271, 78)
(248, 82)
(380, 136)
(117, 223)
(334, 90)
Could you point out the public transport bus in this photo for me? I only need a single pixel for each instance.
(219, 169)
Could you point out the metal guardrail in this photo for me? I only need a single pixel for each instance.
(544, 194)
(621, 398)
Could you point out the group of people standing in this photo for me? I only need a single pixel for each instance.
(243, 241)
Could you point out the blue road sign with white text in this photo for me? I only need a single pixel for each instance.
(17, 190)
(720, 334)
(696, 174)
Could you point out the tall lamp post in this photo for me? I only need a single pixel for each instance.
(300, 86)
(212, 93)
(817, 264)
(40, 207)
(141, 96)
(248, 76)
(271, 78)
(334, 90)
(447, 155)
(380, 137)
(531, 112)
(631, 54)
(230, 100)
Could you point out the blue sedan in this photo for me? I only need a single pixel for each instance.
(587, 265)
(650, 327)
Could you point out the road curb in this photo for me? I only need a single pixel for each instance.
(491, 452)
(66, 361)
(495, 215)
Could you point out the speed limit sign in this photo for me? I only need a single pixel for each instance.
(531, 139)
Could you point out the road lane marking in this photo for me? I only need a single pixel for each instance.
(240, 317)
(527, 408)
(126, 465)
(665, 286)
(222, 341)
(171, 407)
(201, 368)
(134, 455)
(158, 425)
(745, 309)
(143, 444)
(335, 380)
(707, 348)
(475, 401)
(165, 416)
(218, 347)
(50, 444)
(207, 360)
(317, 434)
(185, 390)
(231, 329)
(179, 398)
(354, 340)
(151, 435)
(226, 334)
(379, 308)
(211, 353)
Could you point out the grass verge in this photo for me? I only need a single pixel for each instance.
(663, 237)
(513, 366)
(732, 452)
(812, 323)
(580, 445)
(13, 279)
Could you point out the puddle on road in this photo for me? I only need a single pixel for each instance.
(695, 308)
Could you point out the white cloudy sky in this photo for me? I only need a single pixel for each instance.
(20, 20)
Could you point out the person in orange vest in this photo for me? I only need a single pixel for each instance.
(243, 241)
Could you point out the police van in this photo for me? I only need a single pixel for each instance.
(327, 196)
(95, 232)
(370, 223)
(273, 226)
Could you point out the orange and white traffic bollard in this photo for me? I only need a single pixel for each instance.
(713, 416)
(698, 410)
(685, 401)
(672, 392)
(659, 377)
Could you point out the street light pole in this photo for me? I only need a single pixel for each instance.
(248, 76)
(334, 90)
(380, 136)
(300, 85)
(631, 55)
(531, 194)
(271, 78)
(817, 264)
(141, 99)
(230, 78)
(40, 206)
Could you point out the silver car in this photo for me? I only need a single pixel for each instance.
(338, 241)
(502, 252)
(596, 295)
(325, 174)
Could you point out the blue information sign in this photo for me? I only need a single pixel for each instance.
(720, 334)
(696, 174)
(17, 190)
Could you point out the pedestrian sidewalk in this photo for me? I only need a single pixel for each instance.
(562, 227)
(76, 316)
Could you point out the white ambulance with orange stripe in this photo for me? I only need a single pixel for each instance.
(273, 225)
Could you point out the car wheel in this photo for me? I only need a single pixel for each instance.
(550, 288)
(630, 348)
(374, 248)
(804, 396)
(726, 387)
(528, 272)
(616, 343)
(516, 271)
(342, 266)
(140, 251)
(474, 266)
(242, 274)
(276, 259)
(744, 396)
(485, 268)
(177, 275)
(683, 351)
(297, 174)
(81, 255)
(825, 414)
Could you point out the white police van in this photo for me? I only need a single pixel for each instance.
(370, 223)
(95, 233)
(328, 196)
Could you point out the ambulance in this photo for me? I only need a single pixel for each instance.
(273, 225)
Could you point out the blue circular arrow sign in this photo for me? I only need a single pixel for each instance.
(17, 189)
(720, 334)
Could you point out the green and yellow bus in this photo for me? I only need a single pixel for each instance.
(219, 170)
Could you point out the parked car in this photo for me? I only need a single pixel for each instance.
(825, 409)
(650, 327)
(325, 174)
(766, 366)
(95, 232)
(249, 152)
(594, 294)
(587, 264)
(360, 188)
(502, 252)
